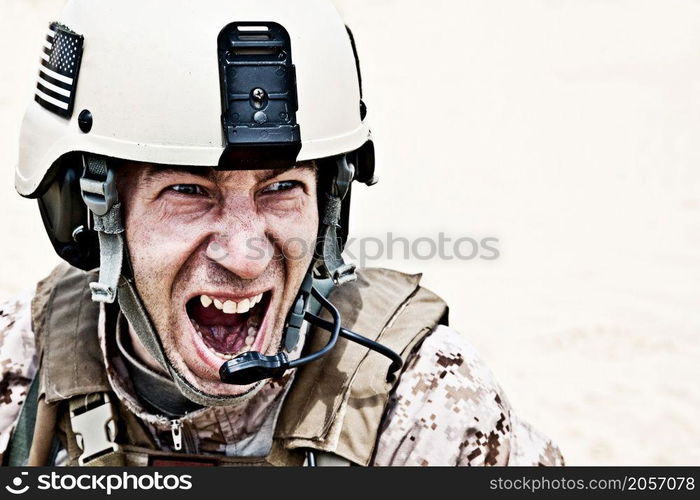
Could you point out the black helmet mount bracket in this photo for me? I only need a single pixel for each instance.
(258, 96)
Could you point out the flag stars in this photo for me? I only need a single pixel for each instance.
(58, 70)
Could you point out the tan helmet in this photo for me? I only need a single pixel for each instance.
(145, 78)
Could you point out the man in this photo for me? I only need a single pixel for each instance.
(201, 157)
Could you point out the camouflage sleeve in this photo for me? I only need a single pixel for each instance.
(17, 361)
(448, 410)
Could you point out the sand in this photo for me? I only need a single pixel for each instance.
(567, 130)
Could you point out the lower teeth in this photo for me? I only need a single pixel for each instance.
(248, 343)
(225, 356)
(252, 330)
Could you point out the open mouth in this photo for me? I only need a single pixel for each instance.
(228, 327)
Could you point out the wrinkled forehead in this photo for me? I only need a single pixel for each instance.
(151, 172)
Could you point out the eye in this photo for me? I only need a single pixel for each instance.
(189, 189)
(281, 186)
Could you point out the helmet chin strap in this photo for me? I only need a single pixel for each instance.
(331, 259)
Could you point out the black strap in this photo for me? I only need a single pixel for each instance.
(158, 393)
(331, 259)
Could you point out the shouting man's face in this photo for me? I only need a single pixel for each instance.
(218, 258)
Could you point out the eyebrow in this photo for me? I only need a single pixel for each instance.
(155, 171)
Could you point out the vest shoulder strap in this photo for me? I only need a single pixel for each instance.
(64, 321)
(337, 402)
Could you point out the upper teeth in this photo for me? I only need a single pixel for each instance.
(230, 306)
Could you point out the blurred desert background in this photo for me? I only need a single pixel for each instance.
(569, 130)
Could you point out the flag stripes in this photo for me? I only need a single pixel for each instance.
(58, 72)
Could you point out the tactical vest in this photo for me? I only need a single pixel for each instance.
(334, 406)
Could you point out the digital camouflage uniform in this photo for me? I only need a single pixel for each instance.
(446, 410)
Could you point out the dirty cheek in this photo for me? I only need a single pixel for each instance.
(294, 231)
(156, 238)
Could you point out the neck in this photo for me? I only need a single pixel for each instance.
(155, 388)
(253, 417)
(142, 353)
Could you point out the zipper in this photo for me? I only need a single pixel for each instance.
(182, 437)
(176, 431)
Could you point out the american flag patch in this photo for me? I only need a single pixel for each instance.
(58, 73)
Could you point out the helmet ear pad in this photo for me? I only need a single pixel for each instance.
(65, 215)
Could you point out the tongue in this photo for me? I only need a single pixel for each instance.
(225, 333)
(224, 339)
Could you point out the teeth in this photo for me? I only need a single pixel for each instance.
(230, 306)
(252, 331)
(225, 356)
(243, 306)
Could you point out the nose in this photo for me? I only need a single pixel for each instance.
(241, 246)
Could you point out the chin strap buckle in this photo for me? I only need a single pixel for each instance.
(295, 319)
(98, 187)
(344, 274)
